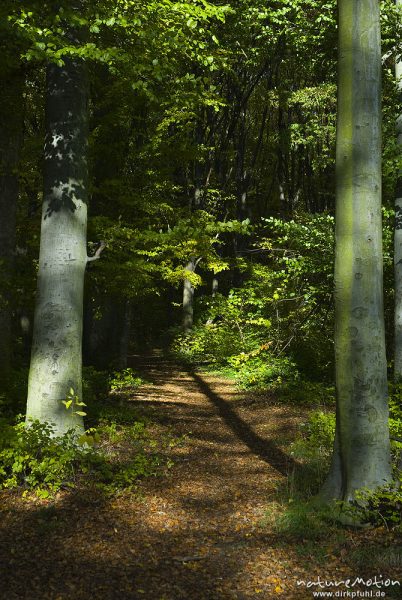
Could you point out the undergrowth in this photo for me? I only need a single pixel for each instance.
(33, 459)
(118, 449)
(312, 450)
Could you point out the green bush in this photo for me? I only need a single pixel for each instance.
(316, 438)
(313, 450)
(306, 392)
(206, 344)
(285, 304)
(261, 370)
(33, 458)
(125, 378)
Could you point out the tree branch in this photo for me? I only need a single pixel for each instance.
(96, 256)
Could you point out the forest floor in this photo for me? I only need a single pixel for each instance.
(202, 530)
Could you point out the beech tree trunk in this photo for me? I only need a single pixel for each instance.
(398, 238)
(362, 449)
(56, 358)
(11, 122)
(188, 298)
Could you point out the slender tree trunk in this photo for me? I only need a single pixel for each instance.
(124, 342)
(56, 357)
(215, 286)
(398, 237)
(241, 171)
(188, 298)
(362, 450)
(11, 121)
(198, 168)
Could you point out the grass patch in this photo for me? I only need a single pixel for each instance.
(300, 521)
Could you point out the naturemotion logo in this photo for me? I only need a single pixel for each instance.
(346, 588)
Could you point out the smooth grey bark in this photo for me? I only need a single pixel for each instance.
(188, 298)
(362, 450)
(398, 236)
(56, 358)
(11, 126)
(215, 286)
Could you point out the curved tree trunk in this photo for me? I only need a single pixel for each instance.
(56, 357)
(362, 451)
(398, 238)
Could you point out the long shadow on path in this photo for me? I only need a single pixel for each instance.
(263, 448)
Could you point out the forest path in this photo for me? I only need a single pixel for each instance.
(194, 533)
(201, 533)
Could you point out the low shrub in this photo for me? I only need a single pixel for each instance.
(33, 458)
(313, 450)
(206, 344)
(112, 457)
(125, 378)
(261, 370)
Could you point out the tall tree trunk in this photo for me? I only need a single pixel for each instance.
(398, 237)
(241, 171)
(188, 298)
(215, 286)
(198, 199)
(124, 342)
(362, 451)
(11, 121)
(56, 357)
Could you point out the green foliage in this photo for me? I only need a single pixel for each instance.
(32, 458)
(313, 449)
(124, 379)
(305, 520)
(145, 261)
(74, 404)
(299, 284)
(278, 325)
(260, 370)
(207, 344)
(114, 456)
(317, 122)
(317, 436)
(381, 507)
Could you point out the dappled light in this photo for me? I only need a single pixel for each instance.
(200, 299)
(206, 529)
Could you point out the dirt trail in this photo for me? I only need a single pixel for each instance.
(203, 534)
(194, 534)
